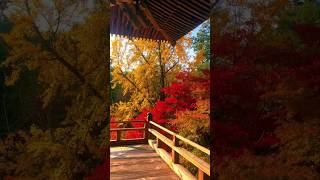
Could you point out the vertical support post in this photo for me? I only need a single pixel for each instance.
(174, 154)
(146, 127)
(159, 143)
(202, 175)
(118, 136)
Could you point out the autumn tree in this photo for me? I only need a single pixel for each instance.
(57, 39)
(201, 44)
(263, 81)
(143, 68)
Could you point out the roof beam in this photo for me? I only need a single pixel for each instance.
(155, 24)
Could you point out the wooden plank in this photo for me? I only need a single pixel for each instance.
(197, 146)
(162, 128)
(138, 162)
(161, 137)
(124, 142)
(174, 19)
(127, 121)
(127, 129)
(201, 6)
(177, 27)
(155, 24)
(177, 15)
(186, 8)
(199, 163)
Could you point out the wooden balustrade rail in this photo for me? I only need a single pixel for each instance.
(187, 141)
(121, 141)
(176, 150)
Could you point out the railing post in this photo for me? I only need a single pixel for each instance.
(118, 136)
(174, 154)
(158, 143)
(202, 175)
(146, 130)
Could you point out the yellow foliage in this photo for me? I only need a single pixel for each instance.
(143, 68)
(192, 123)
(71, 61)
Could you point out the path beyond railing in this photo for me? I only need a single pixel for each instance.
(174, 142)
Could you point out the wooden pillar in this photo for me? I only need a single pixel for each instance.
(146, 127)
(202, 175)
(174, 154)
(159, 143)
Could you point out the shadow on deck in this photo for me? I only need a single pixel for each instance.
(138, 162)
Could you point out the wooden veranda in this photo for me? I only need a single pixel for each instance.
(164, 20)
(159, 140)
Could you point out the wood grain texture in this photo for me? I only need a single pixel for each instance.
(158, 20)
(138, 162)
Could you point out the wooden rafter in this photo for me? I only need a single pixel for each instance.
(166, 20)
(155, 23)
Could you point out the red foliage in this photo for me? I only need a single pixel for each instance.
(244, 116)
(179, 97)
(308, 34)
(101, 171)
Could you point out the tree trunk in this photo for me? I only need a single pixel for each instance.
(162, 74)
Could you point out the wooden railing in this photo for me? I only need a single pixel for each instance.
(121, 142)
(172, 159)
(177, 151)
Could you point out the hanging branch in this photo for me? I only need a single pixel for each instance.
(175, 63)
(134, 85)
(143, 56)
(61, 60)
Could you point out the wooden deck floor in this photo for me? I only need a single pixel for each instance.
(138, 162)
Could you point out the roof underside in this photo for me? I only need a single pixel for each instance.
(167, 20)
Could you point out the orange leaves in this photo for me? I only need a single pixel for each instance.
(193, 120)
(198, 60)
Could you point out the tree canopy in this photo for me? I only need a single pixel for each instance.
(65, 45)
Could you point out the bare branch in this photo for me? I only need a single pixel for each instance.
(58, 22)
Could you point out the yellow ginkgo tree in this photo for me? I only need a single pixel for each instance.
(66, 43)
(143, 68)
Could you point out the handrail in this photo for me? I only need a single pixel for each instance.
(163, 128)
(197, 146)
(176, 150)
(120, 141)
(199, 163)
(127, 129)
(135, 121)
